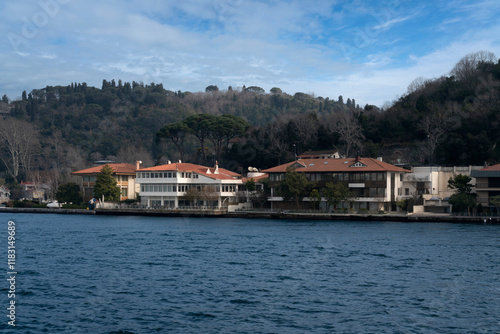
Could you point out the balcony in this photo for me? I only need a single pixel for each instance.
(487, 187)
(414, 178)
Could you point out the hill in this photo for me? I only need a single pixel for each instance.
(451, 120)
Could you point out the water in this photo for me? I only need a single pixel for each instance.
(95, 274)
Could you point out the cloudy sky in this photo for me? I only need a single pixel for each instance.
(367, 50)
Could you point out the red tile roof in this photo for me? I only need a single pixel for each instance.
(337, 165)
(223, 174)
(121, 169)
(259, 178)
(491, 168)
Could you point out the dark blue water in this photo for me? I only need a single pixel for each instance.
(94, 274)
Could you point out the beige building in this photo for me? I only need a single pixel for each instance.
(124, 175)
(374, 183)
(431, 183)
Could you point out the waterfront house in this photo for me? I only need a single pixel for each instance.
(124, 175)
(34, 191)
(429, 184)
(4, 194)
(487, 184)
(374, 183)
(326, 154)
(183, 185)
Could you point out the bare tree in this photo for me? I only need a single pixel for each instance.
(467, 68)
(18, 142)
(435, 125)
(349, 130)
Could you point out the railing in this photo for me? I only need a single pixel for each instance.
(414, 178)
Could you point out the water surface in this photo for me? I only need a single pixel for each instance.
(99, 274)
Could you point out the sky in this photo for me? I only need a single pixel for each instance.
(367, 50)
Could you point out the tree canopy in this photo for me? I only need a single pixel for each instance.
(105, 185)
(69, 193)
(463, 199)
(295, 186)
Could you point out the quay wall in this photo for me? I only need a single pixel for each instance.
(267, 215)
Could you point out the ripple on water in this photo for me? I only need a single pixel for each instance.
(139, 274)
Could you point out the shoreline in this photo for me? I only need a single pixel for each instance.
(412, 218)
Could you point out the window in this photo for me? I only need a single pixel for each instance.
(124, 192)
(195, 176)
(407, 191)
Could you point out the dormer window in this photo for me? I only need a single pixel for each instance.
(358, 164)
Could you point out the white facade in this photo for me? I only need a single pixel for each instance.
(166, 186)
(432, 181)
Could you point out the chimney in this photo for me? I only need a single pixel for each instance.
(180, 161)
(379, 158)
(357, 158)
(216, 168)
(138, 164)
(169, 162)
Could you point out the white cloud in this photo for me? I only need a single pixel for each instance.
(190, 44)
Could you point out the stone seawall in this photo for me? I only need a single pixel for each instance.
(266, 215)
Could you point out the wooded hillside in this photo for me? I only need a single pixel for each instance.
(451, 120)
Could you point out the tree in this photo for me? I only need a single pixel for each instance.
(435, 125)
(463, 199)
(192, 195)
(402, 204)
(211, 88)
(210, 195)
(255, 89)
(276, 90)
(105, 185)
(294, 186)
(336, 193)
(18, 146)
(462, 202)
(176, 133)
(467, 68)
(461, 183)
(69, 193)
(349, 130)
(199, 125)
(315, 197)
(250, 185)
(222, 129)
(495, 201)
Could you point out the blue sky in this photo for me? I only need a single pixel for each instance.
(367, 50)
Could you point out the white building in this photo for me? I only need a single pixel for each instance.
(431, 183)
(167, 185)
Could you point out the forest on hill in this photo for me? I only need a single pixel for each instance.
(49, 132)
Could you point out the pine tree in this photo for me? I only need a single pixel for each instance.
(105, 184)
